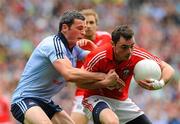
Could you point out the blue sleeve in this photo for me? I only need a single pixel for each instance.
(53, 49)
(81, 54)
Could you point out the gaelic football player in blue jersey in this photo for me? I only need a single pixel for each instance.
(49, 67)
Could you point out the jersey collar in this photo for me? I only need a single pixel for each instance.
(64, 40)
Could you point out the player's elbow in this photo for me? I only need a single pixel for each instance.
(168, 69)
(171, 70)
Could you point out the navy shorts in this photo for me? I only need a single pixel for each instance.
(18, 109)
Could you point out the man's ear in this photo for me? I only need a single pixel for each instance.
(65, 27)
(112, 43)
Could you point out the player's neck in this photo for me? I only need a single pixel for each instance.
(92, 37)
(117, 61)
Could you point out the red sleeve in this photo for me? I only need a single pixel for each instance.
(89, 63)
(102, 38)
(140, 53)
(94, 59)
(106, 39)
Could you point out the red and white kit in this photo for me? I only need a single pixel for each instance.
(101, 60)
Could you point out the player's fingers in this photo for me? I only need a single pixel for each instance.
(110, 88)
(84, 43)
(79, 43)
(89, 42)
(149, 81)
(119, 86)
(121, 82)
(111, 71)
(144, 82)
(145, 85)
(142, 85)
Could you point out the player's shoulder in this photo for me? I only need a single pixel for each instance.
(102, 48)
(101, 52)
(138, 49)
(140, 52)
(48, 43)
(96, 56)
(103, 33)
(47, 40)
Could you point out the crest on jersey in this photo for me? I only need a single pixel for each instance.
(126, 72)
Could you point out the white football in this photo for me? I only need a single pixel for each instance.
(147, 69)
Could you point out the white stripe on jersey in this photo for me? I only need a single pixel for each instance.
(95, 59)
(22, 106)
(57, 44)
(144, 55)
(103, 33)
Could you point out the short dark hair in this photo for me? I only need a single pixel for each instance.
(68, 18)
(122, 31)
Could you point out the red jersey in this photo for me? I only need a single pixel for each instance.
(101, 39)
(101, 60)
(4, 110)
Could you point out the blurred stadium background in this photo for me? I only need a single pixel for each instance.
(23, 23)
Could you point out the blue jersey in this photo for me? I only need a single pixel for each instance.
(40, 79)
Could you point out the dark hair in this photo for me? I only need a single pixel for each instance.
(122, 31)
(68, 18)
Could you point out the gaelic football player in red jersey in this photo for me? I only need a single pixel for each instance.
(99, 38)
(112, 105)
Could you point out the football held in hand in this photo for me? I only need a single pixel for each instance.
(147, 69)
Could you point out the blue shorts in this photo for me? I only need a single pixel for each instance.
(18, 109)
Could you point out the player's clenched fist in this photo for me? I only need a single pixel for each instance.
(114, 82)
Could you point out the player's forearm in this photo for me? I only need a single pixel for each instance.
(71, 74)
(167, 72)
(93, 85)
(82, 76)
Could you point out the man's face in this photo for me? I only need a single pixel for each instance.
(91, 25)
(75, 32)
(123, 49)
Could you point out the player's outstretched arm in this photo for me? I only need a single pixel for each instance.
(71, 74)
(111, 80)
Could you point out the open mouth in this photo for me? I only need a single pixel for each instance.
(128, 56)
(88, 31)
(79, 38)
